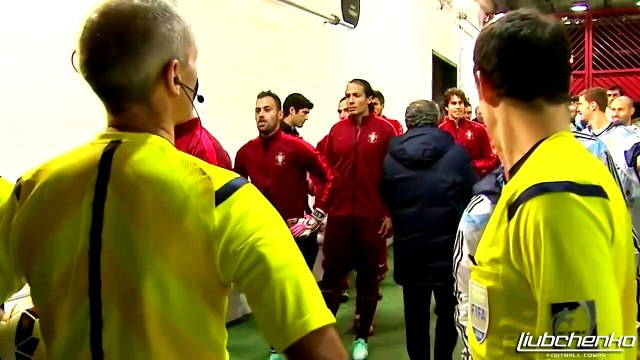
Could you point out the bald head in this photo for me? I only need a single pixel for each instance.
(125, 47)
(622, 109)
(422, 113)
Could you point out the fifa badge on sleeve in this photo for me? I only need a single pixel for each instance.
(479, 310)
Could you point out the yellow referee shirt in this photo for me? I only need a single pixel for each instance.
(130, 247)
(5, 190)
(556, 259)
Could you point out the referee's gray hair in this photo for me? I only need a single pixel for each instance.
(125, 46)
(422, 113)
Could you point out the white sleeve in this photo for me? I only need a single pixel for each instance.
(472, 225)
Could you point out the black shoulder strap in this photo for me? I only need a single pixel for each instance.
(585, 190)
(229, 189)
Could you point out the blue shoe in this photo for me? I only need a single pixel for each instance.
(359, 350)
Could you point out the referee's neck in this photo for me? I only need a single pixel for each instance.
(141, 121)
(520, 129)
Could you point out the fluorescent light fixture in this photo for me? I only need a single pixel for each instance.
(579, 7)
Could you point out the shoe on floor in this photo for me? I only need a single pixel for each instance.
(359, 350)
(275, 356)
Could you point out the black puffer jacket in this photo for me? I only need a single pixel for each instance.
(427, 183)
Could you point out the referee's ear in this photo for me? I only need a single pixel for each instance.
(485, 89)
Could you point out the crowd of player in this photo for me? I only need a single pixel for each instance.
(130, 243)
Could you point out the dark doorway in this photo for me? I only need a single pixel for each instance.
(445, 76)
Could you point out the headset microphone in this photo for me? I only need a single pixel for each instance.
(196, 96)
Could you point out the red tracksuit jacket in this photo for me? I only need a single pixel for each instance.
(278, 167)
(317, 185)
(474, 138)
(193, 139)
(396, 125)
(356, 152)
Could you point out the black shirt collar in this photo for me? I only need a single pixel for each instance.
(514, 169)
(288, 129)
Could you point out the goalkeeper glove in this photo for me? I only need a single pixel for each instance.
(308, 225)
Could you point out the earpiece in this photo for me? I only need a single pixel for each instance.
(176, 80)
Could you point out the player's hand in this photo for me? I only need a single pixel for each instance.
(308, 225)
(386, 230)
(293, 221)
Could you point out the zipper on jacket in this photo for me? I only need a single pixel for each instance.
(355, 171)
(457, 134)
(265, 149)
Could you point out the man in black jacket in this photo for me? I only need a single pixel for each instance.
(427, 183)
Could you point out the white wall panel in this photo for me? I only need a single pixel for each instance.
(245, 46)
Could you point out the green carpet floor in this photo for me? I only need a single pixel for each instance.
(246, 343)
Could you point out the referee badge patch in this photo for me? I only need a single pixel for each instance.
(479, 310)
(578, 317)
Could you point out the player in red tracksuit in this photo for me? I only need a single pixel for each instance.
(277, 164)
(357, 226)
(343, 114)
(378, 107)
(192, 138)
(471, 135)
(317, 186)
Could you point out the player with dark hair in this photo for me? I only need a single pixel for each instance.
(378, 107)
(471, 135)
(468, 111)
(358, 225)
(278, 164)
(613, 92)
(296, 108)
(557, 197)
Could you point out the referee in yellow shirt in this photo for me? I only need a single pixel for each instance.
(554, 272)
(130, 246)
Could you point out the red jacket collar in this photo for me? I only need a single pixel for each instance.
(460, 122)
(365, 119)
(275, 136)
(187, 126)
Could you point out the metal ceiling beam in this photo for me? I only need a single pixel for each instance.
(332, 19)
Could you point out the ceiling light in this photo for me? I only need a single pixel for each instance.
(638, 3)
(579, 7)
